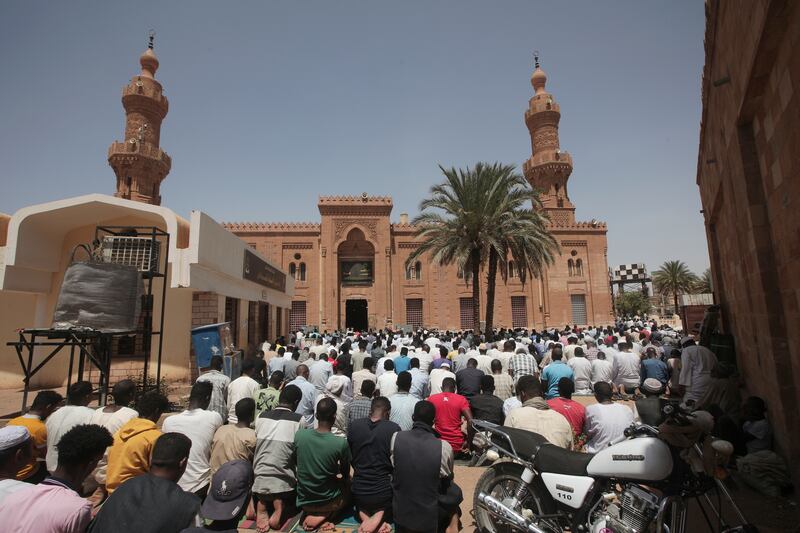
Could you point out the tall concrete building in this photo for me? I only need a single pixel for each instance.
(748, 171)
(349, 268)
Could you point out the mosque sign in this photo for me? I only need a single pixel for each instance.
(356, 272)
(259, 271)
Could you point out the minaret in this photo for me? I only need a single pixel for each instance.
(549, 167)
(138, 162)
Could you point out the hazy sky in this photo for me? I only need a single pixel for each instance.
(275, 103)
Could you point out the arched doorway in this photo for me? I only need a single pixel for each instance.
(356, 278)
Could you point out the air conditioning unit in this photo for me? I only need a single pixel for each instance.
(139, 252)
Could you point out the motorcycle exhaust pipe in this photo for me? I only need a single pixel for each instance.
(496, 507)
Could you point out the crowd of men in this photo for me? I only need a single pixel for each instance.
(332, 421)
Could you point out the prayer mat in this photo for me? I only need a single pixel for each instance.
(346, 523)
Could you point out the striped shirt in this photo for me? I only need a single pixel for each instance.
(274, 463)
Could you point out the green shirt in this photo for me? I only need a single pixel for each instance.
(266, 400)
(319, 460)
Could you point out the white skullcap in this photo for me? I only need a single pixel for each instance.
(12, 436)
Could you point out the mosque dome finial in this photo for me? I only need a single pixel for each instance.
(539, 78)
(148, 59)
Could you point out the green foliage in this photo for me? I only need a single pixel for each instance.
(632, 304)
(704, 284)
(674, 278)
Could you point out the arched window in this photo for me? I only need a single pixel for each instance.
(460, 273)
(571, 267)
(292, 270)
(418, 270)
(512, 272)
(302, 276)
(579, 268)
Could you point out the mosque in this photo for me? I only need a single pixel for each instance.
(349, 268)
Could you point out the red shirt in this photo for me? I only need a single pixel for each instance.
(449, 407)
(574, 412)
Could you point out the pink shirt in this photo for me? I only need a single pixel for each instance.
(50, 507)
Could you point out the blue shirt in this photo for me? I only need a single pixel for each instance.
(554, 372)
(402, 409)
(401, 363)
(655, 368)
(419, 384)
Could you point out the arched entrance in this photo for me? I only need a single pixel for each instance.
(356, 279)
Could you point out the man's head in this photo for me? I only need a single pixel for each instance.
(16, 449)
(81, 448)
(579, 352)
(200, 397)
(216, 362)
(79, 393)
(152, 405)
(45, 403)
(754, 408)
(369, 363)
(388, 365)
(170, 456)
(509, 346)
(414, 363)
(572, 340)
(404, 381)
(296, 354)
(249, 367)
(276, 378)
(602, 391)
(566, 387)
(529, 388)
(556, 354)
(228, 494)
(497, 366)
(449, 385)
(281, 351)
(326, 411)
(246, 410)
(290, 397)
(472, 363)
(362, 345)
(652, 387)
(124, 392)
(487, 384)
(302, 371)
(601, 356)
(380, 408)
(425, 412)
(367, 388)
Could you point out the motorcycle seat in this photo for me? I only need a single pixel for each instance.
(525, 442)
(551, 458)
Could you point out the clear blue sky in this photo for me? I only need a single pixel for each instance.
(274, 103)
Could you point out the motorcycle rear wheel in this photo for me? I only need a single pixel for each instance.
(501, 480)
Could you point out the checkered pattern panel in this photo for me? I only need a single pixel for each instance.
(297, 316)
(414, 312)
(632, 272)
(466, 309)
(519, 312)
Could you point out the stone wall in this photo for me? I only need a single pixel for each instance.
(748, 170)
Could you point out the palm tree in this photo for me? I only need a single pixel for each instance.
(516, 232)
(453, 224)
(705, 283)
(674, 278)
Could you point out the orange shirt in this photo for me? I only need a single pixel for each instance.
(38, 432)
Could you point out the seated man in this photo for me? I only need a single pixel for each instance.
(153, 501)
(487, 406)
(556, 370)
(535, 415)
(421, 459)
(450, 408)
(605, 420)
(370, 443)
(130, 453)
(55, 505)
(16, 451)
(323, 469)
(227, 498)
(573, 411)
(274, 460)
(235, 441)
(44, 404)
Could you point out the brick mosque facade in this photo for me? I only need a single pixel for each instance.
(349, 268)
(748, 172)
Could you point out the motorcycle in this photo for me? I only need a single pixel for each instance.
(642, 482)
